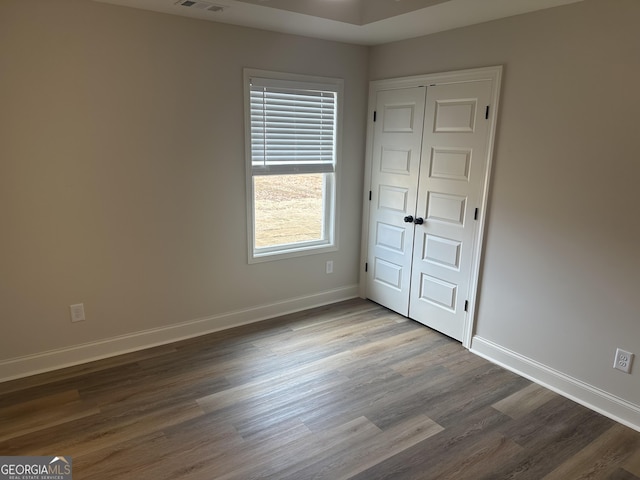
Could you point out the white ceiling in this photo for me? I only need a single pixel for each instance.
(363, 22)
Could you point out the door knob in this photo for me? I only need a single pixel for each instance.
(418, 221)
(408, 219)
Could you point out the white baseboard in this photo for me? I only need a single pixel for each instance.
(77, 354)
(591, 397)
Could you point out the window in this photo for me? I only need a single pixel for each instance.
(292, 136)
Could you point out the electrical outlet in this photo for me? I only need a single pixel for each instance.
(77, 312)
(623, 361)
(329, 268)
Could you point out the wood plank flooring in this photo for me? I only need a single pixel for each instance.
(347, 391)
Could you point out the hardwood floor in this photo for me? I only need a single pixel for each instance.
(351, 390)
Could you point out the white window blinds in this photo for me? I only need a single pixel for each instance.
(293, 127)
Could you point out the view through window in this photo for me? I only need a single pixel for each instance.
(293, 123)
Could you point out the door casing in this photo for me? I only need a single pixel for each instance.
(494, 74)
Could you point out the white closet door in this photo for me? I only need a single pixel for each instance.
(452, 177)
(394, 180)
(431, 142)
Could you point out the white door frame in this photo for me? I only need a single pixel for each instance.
(488, 73)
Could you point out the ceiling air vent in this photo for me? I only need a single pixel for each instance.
(200, 5)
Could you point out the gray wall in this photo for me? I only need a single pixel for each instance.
(122, 175)
(560, 283)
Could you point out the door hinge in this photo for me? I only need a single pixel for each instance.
(375, 115)
(369, 195)
(486, 113)
(366, 267)
(466, 305)
(475, 215)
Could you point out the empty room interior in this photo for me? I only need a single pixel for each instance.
(150, 331)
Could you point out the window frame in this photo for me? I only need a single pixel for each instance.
(331, 180)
